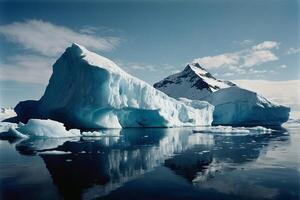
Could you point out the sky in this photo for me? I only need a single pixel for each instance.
(233, 39)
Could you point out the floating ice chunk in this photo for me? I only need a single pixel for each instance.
(230, 129)
(55, 152)
(46, 128)
(12, 133)
(104, 132)
(92, 134)
(222, 129)
(260, 129)
(5, 126)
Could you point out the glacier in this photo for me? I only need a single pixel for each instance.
(88, 91)
(233, 105)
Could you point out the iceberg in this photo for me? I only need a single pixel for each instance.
(236, 106)
(233, 105)
(89, 91)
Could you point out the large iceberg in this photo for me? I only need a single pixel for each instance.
(233, 105)
(89, 91)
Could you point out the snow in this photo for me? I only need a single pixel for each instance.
(236, 106)
(87, 90)
(233, 105)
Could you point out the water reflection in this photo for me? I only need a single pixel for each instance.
(93, 167)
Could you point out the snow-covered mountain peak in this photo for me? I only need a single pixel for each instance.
(198, 69)
(193, 78)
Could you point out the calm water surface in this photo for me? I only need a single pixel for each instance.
(154, 164)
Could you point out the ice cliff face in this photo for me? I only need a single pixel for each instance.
(87, 90)
(233, 105)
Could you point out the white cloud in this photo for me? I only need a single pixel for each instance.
(27, 68)
(246, 42)
(283, 66)
(252, 71)
(258, 57)
(134, 66)
(219, 60)
(46, 41)
(266, 45)
(249, 57)
(228, 74)
(283, 92)
(145, 67)
(50, 40)
(292, 50)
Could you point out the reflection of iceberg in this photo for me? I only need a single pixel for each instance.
(95, 167)
(33, 145)
(198, 164)
(240, 187)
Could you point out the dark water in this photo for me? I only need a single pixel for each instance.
(154, 164)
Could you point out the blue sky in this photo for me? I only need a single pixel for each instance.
(233, 39)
